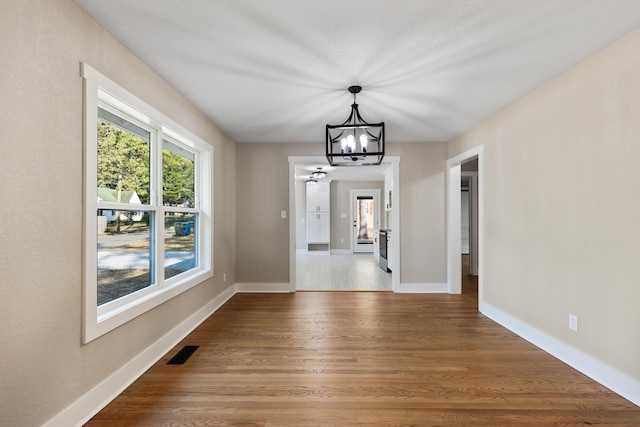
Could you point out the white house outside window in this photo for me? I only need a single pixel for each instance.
(148, 213)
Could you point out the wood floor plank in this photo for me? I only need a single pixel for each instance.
(362, 359)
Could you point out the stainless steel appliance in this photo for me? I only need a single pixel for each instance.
(383, 241)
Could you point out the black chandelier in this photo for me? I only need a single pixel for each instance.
(355, 142)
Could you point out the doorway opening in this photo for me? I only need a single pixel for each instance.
(469, 215)
(465, 172)
(365, 216)
(351, 261)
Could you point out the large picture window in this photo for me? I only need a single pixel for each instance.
(148, 185)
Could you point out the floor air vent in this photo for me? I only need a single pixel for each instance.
(183, 355)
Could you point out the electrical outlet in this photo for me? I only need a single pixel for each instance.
(341, 240)
(573, 322)
(224, 277)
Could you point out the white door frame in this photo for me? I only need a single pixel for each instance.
(376, 215)
(454, 244)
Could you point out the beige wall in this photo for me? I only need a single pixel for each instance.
(561, 212)
(263, 191)
(342, 228)
(300, 215)
(44, 367)
(423, 257)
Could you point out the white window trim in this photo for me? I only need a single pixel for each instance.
(97, 321)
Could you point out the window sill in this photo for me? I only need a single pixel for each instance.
(112, 315)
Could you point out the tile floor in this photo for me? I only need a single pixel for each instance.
(357, 272)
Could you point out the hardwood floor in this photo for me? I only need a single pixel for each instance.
(362, 359)
(357, 272)
(469, 284)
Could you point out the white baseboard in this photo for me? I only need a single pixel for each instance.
(422, 288)
(263, 287)
(81, 411)
(622, 384)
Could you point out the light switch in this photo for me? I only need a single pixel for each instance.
(283, 214)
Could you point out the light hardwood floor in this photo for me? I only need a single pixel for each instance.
(357, 272)
(362, 359)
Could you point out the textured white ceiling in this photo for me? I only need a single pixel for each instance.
(278, 70)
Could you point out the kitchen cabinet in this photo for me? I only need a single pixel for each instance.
(318, 197)
(318, 216)
(318, 227)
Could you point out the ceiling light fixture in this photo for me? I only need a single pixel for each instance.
(355, 142)
(319, 174)
(311, 181)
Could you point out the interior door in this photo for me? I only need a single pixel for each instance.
(365, 219)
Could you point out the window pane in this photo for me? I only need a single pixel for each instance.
(179, 243)
(123, 160)
(125, 262)
(365, 220)
(178, 183)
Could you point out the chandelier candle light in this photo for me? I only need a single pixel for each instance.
(355, 142)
